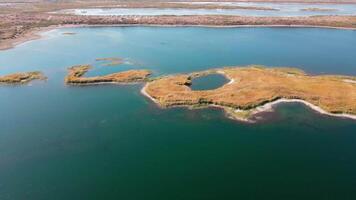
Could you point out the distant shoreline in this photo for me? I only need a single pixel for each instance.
(36, 33)
(285, 1)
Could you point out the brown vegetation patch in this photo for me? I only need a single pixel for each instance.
(21, 77)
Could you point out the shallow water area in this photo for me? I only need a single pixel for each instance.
(111, 142)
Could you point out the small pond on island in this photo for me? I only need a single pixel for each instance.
(208, 82)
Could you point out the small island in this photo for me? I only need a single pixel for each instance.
(255, 89)
(69, 33)
(111, 61)
(75, 76)
(22, 77)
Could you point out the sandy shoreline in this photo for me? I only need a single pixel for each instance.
(269, 107)
(36, 33)
(144, 93)
(33, 34)
(349, 81)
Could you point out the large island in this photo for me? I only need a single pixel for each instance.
(252, 87)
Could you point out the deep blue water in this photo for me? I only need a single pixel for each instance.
(110, 142)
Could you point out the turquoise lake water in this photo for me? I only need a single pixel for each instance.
(110, 142)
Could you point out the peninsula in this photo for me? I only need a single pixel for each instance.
(252, 87)
(75, 76)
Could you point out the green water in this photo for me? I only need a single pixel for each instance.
(110, 142)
